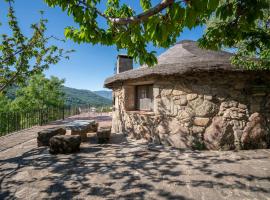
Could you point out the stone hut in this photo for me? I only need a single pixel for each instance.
(193, 98)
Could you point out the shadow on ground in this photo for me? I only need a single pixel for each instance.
(129, 169)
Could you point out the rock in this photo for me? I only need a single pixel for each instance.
(200, 96)
(166, 92)
(196, 102)
(179, 140)
(177, 101)
(200, 121)
(65, 144)
(176, 127)
(219, 98)
(185, 115)
(103, 134)
(197, 129)
(179, 136)
(161, 131)
(44, 136)
(238, 124)
(191, 97)
(176, 98)
(177, 92)
(232, 103)
(219, 135)
(93, 127)
(183, 100)
(175, 109)
(224, 105)
(205, 109)
(235, 113)
(242, 106)
(165, 105)
(180, 100)
(237, 137)
(208, 97)
(255, 135)
(183, 139)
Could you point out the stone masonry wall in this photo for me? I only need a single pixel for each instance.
(207, 111)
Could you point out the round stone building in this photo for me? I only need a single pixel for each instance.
(193, 98)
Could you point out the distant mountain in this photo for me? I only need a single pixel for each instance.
(75, 97)
(104, 93)
(84, 97)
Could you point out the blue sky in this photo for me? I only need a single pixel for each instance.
(89, 65)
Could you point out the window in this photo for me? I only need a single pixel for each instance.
(144, 97)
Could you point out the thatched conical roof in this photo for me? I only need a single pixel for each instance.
(182, 58)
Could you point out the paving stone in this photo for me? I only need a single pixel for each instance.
(128, 169)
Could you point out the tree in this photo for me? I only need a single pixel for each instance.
(243, 27)
(163, 23)
(4, 104)
(39, 93)
(22, 56)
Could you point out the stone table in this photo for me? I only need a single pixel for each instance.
(82, 127)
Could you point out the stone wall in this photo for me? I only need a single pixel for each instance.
(206, 111)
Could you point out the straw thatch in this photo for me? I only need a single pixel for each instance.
(184, 57)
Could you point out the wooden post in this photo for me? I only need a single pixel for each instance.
(63, 112)
(41, 117)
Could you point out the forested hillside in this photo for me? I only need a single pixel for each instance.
(84, 97)
(76, 97)
(104, 93)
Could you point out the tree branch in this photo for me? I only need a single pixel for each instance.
(14, 77)
(138, 18)
(28, 46)
(5, 85)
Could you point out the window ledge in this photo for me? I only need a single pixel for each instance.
(141, 112)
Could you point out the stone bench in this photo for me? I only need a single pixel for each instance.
(82, 127)
(44, 136)
(65, 144)
(103, 134)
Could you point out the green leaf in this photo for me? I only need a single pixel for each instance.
(212, 4)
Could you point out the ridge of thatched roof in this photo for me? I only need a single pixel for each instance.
(184, 57)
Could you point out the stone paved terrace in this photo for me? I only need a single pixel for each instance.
(128, 169)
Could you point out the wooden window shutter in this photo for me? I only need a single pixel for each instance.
(130, 98)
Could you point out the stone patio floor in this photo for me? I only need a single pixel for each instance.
(128, 169)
